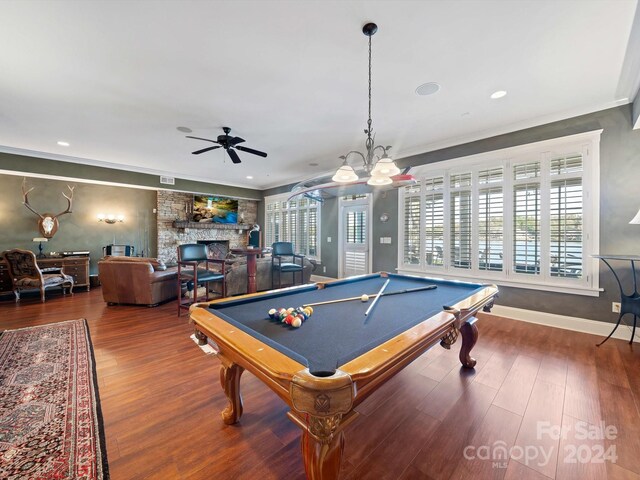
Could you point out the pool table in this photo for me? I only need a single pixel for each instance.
(339, 356)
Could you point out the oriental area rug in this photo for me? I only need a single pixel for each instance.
(50, 419)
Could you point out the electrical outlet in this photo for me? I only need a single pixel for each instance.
(328, 239)
(615, 307)
(324, 269)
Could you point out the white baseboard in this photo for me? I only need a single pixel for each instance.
(602, 329)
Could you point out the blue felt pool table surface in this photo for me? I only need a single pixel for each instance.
(337, 333)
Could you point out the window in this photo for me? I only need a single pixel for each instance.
(295, 221)
(515, 217)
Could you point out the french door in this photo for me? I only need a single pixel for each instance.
(354, 237)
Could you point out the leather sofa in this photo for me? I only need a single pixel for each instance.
(137, 281)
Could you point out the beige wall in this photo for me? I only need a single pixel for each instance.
(79, 230)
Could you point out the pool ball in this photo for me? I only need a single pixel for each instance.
(296, 322)
(272, 313)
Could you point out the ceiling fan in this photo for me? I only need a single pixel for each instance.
(230, 144)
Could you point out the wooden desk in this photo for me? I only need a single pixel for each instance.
(75, 265)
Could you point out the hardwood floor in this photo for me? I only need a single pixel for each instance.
(161, 402)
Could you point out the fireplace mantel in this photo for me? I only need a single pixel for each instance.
(209, 225)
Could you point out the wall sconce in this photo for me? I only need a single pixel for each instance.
(111, 218)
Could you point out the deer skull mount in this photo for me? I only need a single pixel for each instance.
(48, 223)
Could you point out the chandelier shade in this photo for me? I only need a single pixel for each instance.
(385, 166)
(379, 180)
(345, 174)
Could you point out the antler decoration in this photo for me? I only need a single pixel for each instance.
(69, 199)
(48, 223)
(25, 196)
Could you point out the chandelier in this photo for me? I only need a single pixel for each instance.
(376, 160)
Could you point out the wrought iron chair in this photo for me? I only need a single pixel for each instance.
(190, 259)
(284, 250)
(25, 274)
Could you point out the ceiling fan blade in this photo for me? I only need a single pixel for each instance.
(198, 152)
(236, 140)
(251, 150)
(234, 156)
(199, 138)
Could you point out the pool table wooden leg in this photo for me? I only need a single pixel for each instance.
(230, 374)
(469, 332)
(322, 456)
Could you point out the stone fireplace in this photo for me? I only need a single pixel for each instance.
(173, 230)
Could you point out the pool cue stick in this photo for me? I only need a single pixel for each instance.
(373, 304)
(327, 302)
(373, 295)
(409, 290)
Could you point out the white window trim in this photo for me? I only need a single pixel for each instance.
(589, 144)
(284, 197)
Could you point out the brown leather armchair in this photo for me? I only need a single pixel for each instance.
(136, 281)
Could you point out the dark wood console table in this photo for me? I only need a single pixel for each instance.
(75, 265)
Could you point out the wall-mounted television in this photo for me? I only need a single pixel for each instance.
(209, 208)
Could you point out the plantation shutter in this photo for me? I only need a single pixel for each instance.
(269, 231)
(434, 221)
(566, 217)
(411, 229)
(303, 231)
(356, 227)
(526, 218)
(313, 231)
(294, 221)
(460, 220)
(490, 219)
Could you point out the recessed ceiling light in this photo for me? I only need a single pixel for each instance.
(249, 177)
(184, 129)
(428, 88)
(313, 164)
(498, 94)
(63, 144)
(465, 114)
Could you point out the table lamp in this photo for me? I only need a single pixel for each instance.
(40, 239)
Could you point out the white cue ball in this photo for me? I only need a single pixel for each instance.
(296, 323)
(364, 298)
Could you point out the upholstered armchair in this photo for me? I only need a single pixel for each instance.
(284, 250)
(26, 275)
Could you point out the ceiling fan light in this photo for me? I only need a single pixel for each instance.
(385, 166)
(345, 174)
(378, 180)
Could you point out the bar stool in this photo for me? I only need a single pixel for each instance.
(282, 250)
(190, 258)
